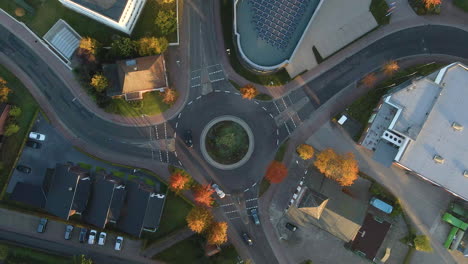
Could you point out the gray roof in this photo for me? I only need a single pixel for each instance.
(437, 136)
(132, 215)
(154, 211)
(28, 194)
(117, 203)
(112, 9)
(385, 153)
(82, 195)
(101, 198)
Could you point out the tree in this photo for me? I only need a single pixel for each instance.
(15, 111)
(369, 80)
(203, 195)
(151, 46)
(11, 129)
(431, 3)
(179, 181)
(217, 234)
(199, 219)
(166, 21)
(20, 12)
(4, 90)
(169, 96)
(89, 45)
(422, 243)
(342, 169)
(390, 68)
(276, 172)
(99, 82)
(248, 92)
(81, 259)
(165, 1)
(123, 48)
(305, 151)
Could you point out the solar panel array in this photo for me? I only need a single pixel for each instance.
(276, 20)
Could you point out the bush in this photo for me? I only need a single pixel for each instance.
(166, 21)
(3, 252)
(11, 129)
(422, 243)
(15, 111)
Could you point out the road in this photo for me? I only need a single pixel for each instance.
(137, 143)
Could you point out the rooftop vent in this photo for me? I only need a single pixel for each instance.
(439, 159)
(457, 126)
(465, 173)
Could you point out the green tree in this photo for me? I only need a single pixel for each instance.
(4, 91)
(15, 111)
(99, 82)
(123, 48)
(151, 46)
(422, 243)
(166, 21)
(11, 129)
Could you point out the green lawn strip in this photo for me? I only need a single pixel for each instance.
(260, 96)
(463, 4)
(120, 174)
(362, 109)
(85, 165)
(379, 10)
(151, 104)
(146, 23)
(264, 185)
(12, 145)
(227, 15)
(279, 156)
(17, 254)
(149, 182)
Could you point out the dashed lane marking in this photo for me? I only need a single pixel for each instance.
(234, 218)
(217, 91)
(248, 208)
(180, 163)
(196, 85)
(198, 97)
(180, 114)
(176, 124)
(272, 116)
(263, 108)
(229, 204)
(287, 128)
(227, 91)
(253, 199)
(216, 80)
(253, 185)
(175, 135)
(277, 142)
(237, 93)
(190, 102)
(256, 102)
(235, 211)
(246, 190)
(215, 72)
(277, 132)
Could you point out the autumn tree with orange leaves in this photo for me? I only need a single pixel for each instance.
(340, 168)
(248, 92)
(431, 3)
(217, 233)
(369, 80)
(199, 219)
(390, 67)
(179, 181)
(305, 151)
(276, 172)
(169, 96)
(203, 195)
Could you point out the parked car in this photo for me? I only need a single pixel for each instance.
(23, 169)
(291, 227)
(42, 225)
(68, 232)
(247, 239)
(33, 144)
(37, 136)
(102, 239)
(92, 237)
(218, 190)
(188, 138)
(255, 216)
(83, 233)
(118, 243)
(381, 205)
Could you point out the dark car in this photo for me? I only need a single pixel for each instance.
(83, 233)
(291, 227)
(68, 232)
(33, 144)
(23, 169)
(247, 239)
(42, 225)
(188, 138)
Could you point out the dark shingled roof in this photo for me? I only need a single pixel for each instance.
(82, 194)
(29, 194)
(117, 203)
(132, 215)
(154, 211)
(101, 197)
(370, 237)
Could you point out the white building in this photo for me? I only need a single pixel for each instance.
(119, 14)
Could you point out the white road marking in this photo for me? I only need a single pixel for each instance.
(263, 108)
(253, 199)
(272, 116)
(224, 205)
(248, 208)
(254, 184)
(246, 190)
(237, 93)
(227, 91)
(167, 156)
(160, 155)
(196, 85)
(180, 163)
(217, 91)
(196, 77)
(175, 153)
(179, 115)
(287, 128)
(157, 134)
(277, 108)
(74, 99)
(190, 102)
(277, 142)
(198, 97)
(175, 134)
(277, 132)
(235, 211)
(215, 72)
(234, 218)
(220, 79)
(256, 102)
(294, 123)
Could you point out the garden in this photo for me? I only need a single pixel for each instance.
(227, 142)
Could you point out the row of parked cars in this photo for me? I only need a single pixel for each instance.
(32, 142)
(90, 237)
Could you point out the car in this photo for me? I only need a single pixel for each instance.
(118, 243)
(92, 237)
(102, 239)
(218, 190)
(83, 233)
(42, 225)
(381, 205)
(255, 216)
(188, 138)
(247, 239)
(23, 169)
(291, 227)
(33, 144)
(68, 232)
(37, 136)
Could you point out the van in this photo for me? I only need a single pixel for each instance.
(381, 205)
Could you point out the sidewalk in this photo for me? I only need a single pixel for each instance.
(167, 242)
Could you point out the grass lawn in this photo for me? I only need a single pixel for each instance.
(379, 9)
(173, 217)
(12, 145)
(277, 78)
(463, 4)
(119, 174)
(151, 104)
(16, 254)
(227, 142)
(85, 166)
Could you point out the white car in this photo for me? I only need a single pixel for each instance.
(92, 237)
(219, 192)
(102, 239)
(36, 136)
(118, 243)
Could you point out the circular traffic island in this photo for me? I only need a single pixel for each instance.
(227, 142)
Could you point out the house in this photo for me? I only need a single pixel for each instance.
(4, 111)
(67, 191)
(132, 78)
(419, 126)
(142, 209)
(63, 40)
(118, 14)
(29, 194)
(370, 237)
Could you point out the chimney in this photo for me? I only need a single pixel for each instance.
(438, 159)
(457, 127)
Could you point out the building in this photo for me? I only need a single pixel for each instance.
(63, 40)
(118, 14)
(132, 78)
(419, 126)
(370, 237)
